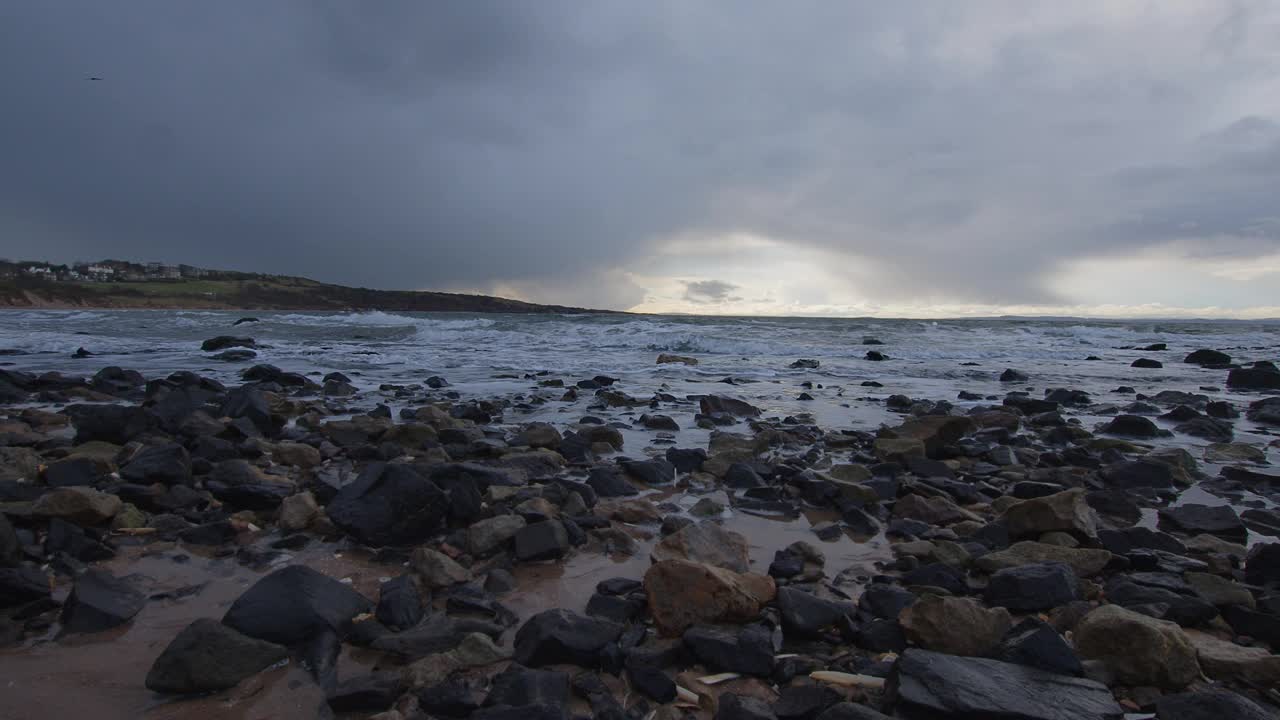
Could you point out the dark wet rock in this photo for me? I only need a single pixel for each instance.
(369, 693)
(250, 404)
(294, 603)
(1263, 564)
(1147, 363)
(1174, 601)
(1136, 649)
(1066, 511)
(1131, 426)
(64, 537)
(618, 608)
(399, 603)
(1144, 473)
(1067, 396)
(610, 481)
(653, 421)
(1266, 411)
(885, 601)
(959, 626)
(439, 633)
(850, 711)
(389, 504)
(806, 615)
(1207, 357)
(222, 342)
(208, 656)
(1036, 644)
(743, 707)
(650, 472)
(100, 601)
(805, 363)
(1207, 428)
(1124, 540)
(22, 584)
(937, 575)
(116, 424)
(686, 460)
(239, 355)
(523, 687)
(1221, 409)
(857, 520)
(804, 702)
(1033, 587)
(723, 405)
(10, 546)
(168, 464)
(73, 471)
(1259, 377)
(563, 636)
(1011, 375)
(544, 540)
(1210, 704)
(747, 650)
(924, 682)
(742, 476)
(1193, 519)
(251, 496)
(1260, 625)
(651, 681)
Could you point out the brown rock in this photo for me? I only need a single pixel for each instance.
(81, 505)
(1223, 660)
(705, 542)
(1065, 511)
(933, 510)
(953, 625)
(1137, 649)
(297, 511)
(935, 431)
(683, 593)
(631, 511)
(1086, 562)
(666, 358)
(296, 454)
(435, 569)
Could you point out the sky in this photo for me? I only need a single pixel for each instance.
(834, 157)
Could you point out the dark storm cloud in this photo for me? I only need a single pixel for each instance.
(703, 291)
(965, 149)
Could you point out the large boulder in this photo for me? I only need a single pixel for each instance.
(682, 593)
(208, 656)
(390, 504)
(1067, 511)
(294, 604)
(563, 636)
(1137, 649)
(930, 684)
(956, 626)
(100, 601)
(705, 542)
(1258, 377)
(1207, 357)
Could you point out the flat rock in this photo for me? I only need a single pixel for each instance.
(1194, 518)
(100, 601)
(925, 682)
(1086, 562)
(208, 656)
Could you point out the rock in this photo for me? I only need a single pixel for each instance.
(1224, 453)
(389, 504)
(436, 570)
(538, 435)
(74, 471)
(1011, 375)
(723, 405)
(1207, 428)
(23, 584)
(169, 464)
(1264, 626)
(471, 650)
(1254, 378)
(10, 546)
(956, 626)
(370, 692)
(1085, 562)
(1145, 473)
(100, 601)
(707, 543)
(686, 460)
(1147, 363)
(931, 684)
(80, 505)
(876, 356)
(1137, 649)
(743, 707)
(222, 342)
(1193, 519)
(610, 481)
(806, 615)
(1036, 644)
(563, 636)
(1207, 357)
(208, 656)
(682, 593)
(748, 650)
(1066, 511)
(1033, 587)
(293, 604)
(1262, 565)
(665, 358)
(805, 364)
(1265, 411)
(544, 540)
(241, 355)
(1131, 426)
(933, 510)
(935, 431)
(1219, 591)
(522, 687)
(116, 424)
(399, 604)
(296, 454)
(297, 511)
(804, 702)
(1222, 660)
(850, 711)
(651, 681)
(486, 536)
(1210, 704)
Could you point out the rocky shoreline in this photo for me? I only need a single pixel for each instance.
(291, 547)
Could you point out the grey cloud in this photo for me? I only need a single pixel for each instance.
(708, 291)
(967, 150)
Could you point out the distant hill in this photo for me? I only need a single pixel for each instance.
(43, 285)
